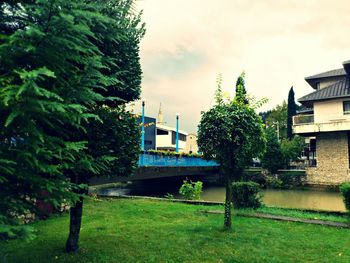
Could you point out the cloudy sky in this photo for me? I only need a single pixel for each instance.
(277, 43)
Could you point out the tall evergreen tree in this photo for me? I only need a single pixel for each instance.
(241, 92)
(61, 61)
(290, 113)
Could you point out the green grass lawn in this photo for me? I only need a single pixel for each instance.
(296, 213)
(124, 230)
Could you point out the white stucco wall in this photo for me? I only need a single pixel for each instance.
(165, 141)
(191, 143)
(331, 110)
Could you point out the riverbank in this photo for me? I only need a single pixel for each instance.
(126, 230)
(305, 198)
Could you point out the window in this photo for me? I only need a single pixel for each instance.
(346, 107)
(182, 137)
(162, 132)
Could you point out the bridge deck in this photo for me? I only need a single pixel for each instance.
(158, 166)
(147, 159)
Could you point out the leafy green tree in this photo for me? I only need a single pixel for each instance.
(291, 149)
(118, 134)
(290, 113)
(113, 150)
(231, 133)
(278, 118)
(272, 159)
(60, 62)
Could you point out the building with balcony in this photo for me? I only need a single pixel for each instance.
(166, 138)
(325, 120)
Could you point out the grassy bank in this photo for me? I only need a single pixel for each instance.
(297, 213)
(123, 230)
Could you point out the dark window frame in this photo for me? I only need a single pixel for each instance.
(348, 111)
(162, 132)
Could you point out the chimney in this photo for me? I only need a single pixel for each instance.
(346, 66)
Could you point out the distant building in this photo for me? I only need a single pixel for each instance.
(166, 138)
(326, 121)
(191, 143)
(160, 119)
(150, 133)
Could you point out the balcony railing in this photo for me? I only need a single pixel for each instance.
(303, 119)
(151, 159)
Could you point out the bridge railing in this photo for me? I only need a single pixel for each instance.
(151, 159)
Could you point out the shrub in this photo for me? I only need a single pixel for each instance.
(345, 190)
(191, 190)
(246, 195)
(274, 182)
(254, 175)
(285, 180)
(169, 196)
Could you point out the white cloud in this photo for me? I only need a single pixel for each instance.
(277, 43)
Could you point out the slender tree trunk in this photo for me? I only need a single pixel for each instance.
(76, 213)
(228, 201)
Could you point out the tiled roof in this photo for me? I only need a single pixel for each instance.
(327, 74)
(337, 90)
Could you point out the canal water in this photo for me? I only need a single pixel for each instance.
(303, 199)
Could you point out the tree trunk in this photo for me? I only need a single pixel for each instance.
(228, 201)
(76, 213)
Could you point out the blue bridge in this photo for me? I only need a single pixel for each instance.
(155, 165)
(158, 160)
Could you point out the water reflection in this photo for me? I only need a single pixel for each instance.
(304, 199)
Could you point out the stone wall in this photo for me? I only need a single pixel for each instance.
(332, 160)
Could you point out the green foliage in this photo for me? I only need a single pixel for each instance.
(345, 190)
(273, 158)
(60, 61)
(273, 181)
(169, 196)
(291, 149)
(285, 179)
(218, 93)
(290, 113)
(113, 141)
(277, 118)
(254, 175)
(241, 93)
(246, 195)
(191, 190)
(232, 134)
